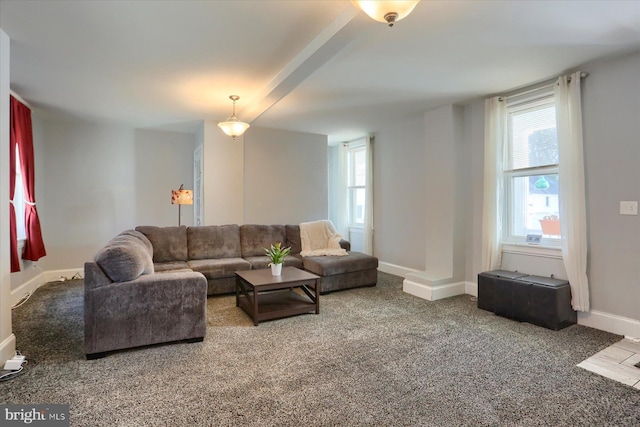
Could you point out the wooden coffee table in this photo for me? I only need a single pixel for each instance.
(266, 297)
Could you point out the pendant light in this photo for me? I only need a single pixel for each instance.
(233, 127)
(389, 11)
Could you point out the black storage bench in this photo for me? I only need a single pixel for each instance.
(542, 301)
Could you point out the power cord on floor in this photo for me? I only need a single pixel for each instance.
(11, 375)
(27, 296)
(23, 300)
(14, 374)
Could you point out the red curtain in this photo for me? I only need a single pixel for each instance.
(21, 133)
(13, 232)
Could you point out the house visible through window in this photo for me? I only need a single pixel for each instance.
(357, 168)
(18, 199)
(531, 170)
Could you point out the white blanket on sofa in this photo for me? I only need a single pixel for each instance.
(320, 238)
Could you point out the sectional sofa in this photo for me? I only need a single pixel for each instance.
(218, 251)
(150, 285)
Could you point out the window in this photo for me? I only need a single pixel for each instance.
(356, 184)
(531, 171)
(18, 199)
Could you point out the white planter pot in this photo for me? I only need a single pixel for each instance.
(276, 269)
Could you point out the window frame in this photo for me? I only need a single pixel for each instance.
(538, 101)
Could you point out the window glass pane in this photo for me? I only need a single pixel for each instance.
(356, 196)
(535, 208)
(534, 141)
(18, 199)
(359, 167)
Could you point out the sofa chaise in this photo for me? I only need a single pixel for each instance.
(126, 305)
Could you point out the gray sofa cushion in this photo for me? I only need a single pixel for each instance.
(162, 267)
(293, 238)
(260, 262)
(143, 239)
(254, 238)
(124, 258)
(332, 265)
(214, 241)
(169, 243)
(221, 267)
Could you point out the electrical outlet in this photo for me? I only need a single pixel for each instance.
(534, 238)
(629, 208)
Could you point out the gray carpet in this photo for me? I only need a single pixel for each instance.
(372, 357)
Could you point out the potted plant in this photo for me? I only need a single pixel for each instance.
(276, 254)
(550, 225)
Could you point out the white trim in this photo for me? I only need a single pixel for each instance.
(394, 269)
(471, 288)
(27, 287)
(19, 98)
(43, 278)
(433, 293)
(8, 348)
(594, 319)
(607, 322)
(610, 323)
(532, 250)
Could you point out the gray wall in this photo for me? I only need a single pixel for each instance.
(611, 108)
(611, 117)
(97, 180)
(223, 181)
(400, 206)
(285, 177)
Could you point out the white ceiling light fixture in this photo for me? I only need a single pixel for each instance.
(233, 127)
(389, 11)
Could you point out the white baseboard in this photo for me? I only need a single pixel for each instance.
(45, 277)
(7, 348)
(471, 288)
(394, 269)
(594, 319)
(607, 322)
(610, 323)
(433, 293)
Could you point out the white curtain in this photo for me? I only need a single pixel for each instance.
(495, 121)
(341, 221)
(573, 216)
(368, 197)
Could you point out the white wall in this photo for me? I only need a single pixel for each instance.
(285, 176)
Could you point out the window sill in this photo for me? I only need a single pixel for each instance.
(532, 250)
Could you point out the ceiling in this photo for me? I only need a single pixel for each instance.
(311, 66)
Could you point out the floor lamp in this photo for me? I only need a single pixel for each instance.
(181, 197)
